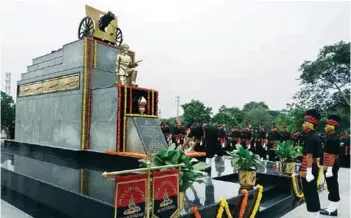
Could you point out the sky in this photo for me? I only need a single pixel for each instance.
(219, 52)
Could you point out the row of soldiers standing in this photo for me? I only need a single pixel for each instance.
(259, 141)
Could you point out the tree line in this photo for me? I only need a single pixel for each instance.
(325, 86)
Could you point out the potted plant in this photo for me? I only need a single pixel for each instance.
(246, 163)
(190, 172)
(287, 153)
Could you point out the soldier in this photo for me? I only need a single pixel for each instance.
(273, 136)
(211, 145)
(284, 134)
(178, 134)
(165, 130)
(235, 137)
(221, 136)
(246, 137)
(310, 161)
(346, 142)
(331, 165)
(197, 134)
(261, 142)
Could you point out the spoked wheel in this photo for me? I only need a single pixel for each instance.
(119, 36)
(86, 28)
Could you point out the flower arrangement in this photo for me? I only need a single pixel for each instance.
(223, 206)
(196, 212)
(243, 203)
(258, 201)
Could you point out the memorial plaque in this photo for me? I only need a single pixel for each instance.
(150, 134)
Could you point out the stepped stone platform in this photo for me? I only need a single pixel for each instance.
(31, 175)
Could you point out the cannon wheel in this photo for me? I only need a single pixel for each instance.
(119, 36)
(86, 28)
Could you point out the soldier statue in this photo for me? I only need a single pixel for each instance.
(125, 67)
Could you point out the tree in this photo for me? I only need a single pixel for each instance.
(328, 74)
(229, 116)
(251, 105)
(7, 111)
(258, 115)
(196, 110)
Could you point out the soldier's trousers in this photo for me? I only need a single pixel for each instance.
(260, 150)
(310, 191)
(271, 154)
(333, 185)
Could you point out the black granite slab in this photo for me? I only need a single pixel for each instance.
(68, 182)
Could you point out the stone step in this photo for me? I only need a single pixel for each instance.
(45, 64)
(43, 71)
(47, 57)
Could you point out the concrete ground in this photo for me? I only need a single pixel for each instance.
(9, 211)
(344, 207)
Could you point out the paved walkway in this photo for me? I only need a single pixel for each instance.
(9, 211)
(344, 207)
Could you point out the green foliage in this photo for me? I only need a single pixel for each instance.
(252, 105)
(171, 121)
(196, 110)
(189, 173)
(258, 115)
(244, 159)
(229, 116)
(8, 110)
(287, 152)
(328, 74)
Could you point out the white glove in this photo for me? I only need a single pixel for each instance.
(329, 172)
(309, 175)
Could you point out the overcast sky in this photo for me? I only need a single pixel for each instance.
(220, 52)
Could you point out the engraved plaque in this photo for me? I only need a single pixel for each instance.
(150, 134)
(50, 85)
(47, 86)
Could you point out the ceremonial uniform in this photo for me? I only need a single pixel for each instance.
(222, 135)
(285, 135)
(260, 142)
(246, 137)
(331, 165)
(273, 137)
(235, 136)
(178, 134)
(166, 131)
(346, 142)
(309, 167)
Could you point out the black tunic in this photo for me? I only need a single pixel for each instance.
(272, 137)
(332, 144)
(285, 136)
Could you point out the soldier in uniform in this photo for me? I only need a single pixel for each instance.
(178, 134)
(284, 134)
(221, 136)
(273, 136)
(260, 142)
(211, 146)
(246, 137)
(235, 136)
(346, 143)
(196, 132)
(331, 165)
(310, 161)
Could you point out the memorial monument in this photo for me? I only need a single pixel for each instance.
(81, 103)
(69, 98)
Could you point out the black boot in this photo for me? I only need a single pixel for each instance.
(325, 212)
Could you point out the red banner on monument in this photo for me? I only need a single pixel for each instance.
(165, 193)
(130, 197)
